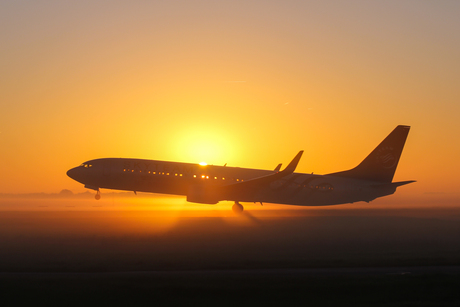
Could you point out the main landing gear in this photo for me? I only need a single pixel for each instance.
(98, 195)
(237, 208)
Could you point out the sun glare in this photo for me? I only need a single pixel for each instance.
(204, 144)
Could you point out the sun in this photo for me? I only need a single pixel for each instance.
(210, 145)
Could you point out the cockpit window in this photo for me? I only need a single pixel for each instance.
(86, 165)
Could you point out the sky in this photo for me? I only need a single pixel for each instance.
(247, 83)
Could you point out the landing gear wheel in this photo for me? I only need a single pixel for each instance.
(98, 195)
(237, 208)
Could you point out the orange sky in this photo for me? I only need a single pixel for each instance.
(244, 83)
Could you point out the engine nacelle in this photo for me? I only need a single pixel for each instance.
(203, 194)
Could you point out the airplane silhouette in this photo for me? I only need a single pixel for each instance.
(209, 184)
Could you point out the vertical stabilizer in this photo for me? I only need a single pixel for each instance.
(380, 165)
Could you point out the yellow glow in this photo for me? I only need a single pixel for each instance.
(203, 144)
(216, 92)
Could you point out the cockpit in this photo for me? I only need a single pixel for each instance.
(90, 168)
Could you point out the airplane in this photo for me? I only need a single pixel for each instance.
(209, 184)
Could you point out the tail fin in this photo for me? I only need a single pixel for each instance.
(380, 165)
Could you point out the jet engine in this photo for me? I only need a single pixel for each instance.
(203, 194)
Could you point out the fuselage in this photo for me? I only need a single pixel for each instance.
(195, 181)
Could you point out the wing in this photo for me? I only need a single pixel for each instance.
(241, 190)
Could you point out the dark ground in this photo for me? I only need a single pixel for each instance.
(375, 257)
(388, 287)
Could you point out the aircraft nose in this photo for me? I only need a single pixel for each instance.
(72, 173)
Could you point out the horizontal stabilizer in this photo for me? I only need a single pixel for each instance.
(393, 184)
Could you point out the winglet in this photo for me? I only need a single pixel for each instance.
(292, 166)
(243, 190)
(278, 167)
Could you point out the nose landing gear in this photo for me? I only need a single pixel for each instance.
(237, 208)
(98, 195)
